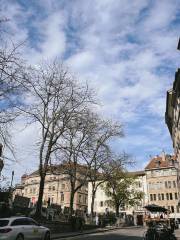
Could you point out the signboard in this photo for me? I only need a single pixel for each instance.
(20, 201)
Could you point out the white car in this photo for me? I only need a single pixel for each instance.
(22, 228)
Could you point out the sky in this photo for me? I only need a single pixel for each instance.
(126, 50)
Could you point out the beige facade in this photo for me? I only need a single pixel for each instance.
(162, 182)
(100, 204)
(56, 190)
(141, 186)
(173, 114)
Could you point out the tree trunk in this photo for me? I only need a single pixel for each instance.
(92, 204)
(71, 204)
(40, 197)
(117, 210)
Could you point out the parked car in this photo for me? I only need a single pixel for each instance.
(22, 228)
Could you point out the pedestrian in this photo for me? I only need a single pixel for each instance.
(73, 223)
(81, 223)
(97, 220)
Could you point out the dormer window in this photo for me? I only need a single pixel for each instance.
(158, 163)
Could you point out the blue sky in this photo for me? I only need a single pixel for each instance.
(126, 50)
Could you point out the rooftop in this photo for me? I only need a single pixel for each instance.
(164, 161)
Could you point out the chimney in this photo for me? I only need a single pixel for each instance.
(163, 156)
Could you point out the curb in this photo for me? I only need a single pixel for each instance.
(87, 233)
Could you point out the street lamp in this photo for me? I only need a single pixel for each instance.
(178, 45)
(1, 161)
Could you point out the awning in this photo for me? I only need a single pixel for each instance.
(155, 208)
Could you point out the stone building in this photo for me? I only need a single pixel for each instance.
(100, 202)
(172, 115)
(56, 190)
(138, 210)
(101, 199)
(162, 174)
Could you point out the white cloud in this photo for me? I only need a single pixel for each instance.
(127, 52)
(161, 15)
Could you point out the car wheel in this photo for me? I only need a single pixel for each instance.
(47, 236)
(20, 237)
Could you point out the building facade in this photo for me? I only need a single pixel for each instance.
(162, 174)
(100, 202)
(101, 199)
(56, 190)
(172, 115)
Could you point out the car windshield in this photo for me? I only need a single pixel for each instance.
(4, 223)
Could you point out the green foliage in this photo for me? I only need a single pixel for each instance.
(121, 190)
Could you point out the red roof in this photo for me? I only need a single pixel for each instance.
(161, 162)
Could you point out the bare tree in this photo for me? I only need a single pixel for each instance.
(74, 151)
(54, 99)
(11, 78)
(99, 153)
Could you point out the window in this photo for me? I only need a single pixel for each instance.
(154, 197)
(166, 172)
(21, 221)
(34, 190)
(156, 173)
(177, 209)
(172, 209)
(167, 196)
(170, 196)
(151, 197)
(30, 191)
(152, 173)
(63, 186)
(80, 198)
(162, 196)
(174, 184)
(174, 172)
(159, 196)
(176, 196)
(49, 188)
(166, 186)
(169, 184)
(32, 222)
(4, 223)
(62, 197)
(101, 203)
(53, 188)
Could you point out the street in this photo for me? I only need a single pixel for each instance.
(123, 234)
